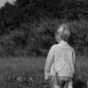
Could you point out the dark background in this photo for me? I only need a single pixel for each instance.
(27, 27)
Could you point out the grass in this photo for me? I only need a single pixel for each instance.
(28, 72)
(22, 63)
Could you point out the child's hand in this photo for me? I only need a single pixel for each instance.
(47, 76)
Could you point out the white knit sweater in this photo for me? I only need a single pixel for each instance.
(61, 60)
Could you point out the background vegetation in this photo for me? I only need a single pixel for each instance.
(27, 27)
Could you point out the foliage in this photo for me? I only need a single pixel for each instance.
(27, 27)
(79, 36)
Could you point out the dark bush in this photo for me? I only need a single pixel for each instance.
(36, 38)
(30, 25)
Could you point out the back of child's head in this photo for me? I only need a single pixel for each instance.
(62, 32)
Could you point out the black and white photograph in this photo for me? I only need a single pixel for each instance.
(43, 43)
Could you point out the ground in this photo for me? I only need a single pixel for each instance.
(27, 72)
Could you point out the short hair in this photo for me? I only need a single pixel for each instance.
(63, 31)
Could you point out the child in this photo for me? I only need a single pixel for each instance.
(60, 62)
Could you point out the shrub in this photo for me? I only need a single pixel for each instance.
(37, 37)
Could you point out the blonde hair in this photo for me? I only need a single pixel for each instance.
(63, 31)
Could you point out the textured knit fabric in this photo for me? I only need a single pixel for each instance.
(61, 60)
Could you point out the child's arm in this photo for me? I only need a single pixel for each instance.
(49, 62)
(74, 57)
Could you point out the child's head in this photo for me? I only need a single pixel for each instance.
(62, 32)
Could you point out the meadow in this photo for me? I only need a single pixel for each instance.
(27, 72)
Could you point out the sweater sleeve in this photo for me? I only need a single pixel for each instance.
(74, 56)
(50, 59)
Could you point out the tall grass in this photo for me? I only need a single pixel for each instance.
(28, 73)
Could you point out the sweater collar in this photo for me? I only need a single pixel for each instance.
(63, 43)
